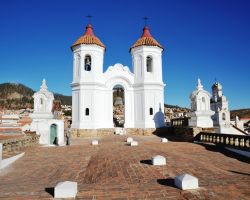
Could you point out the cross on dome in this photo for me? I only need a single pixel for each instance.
(145, 19)
(89, 17)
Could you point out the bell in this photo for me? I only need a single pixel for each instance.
(118, 101)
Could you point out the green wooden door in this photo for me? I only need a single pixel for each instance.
(53, 134)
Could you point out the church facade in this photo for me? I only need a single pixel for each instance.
(92, 88)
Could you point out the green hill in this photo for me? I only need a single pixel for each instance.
(18, 96)
(241, 113)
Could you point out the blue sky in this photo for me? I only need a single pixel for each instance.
(202, 38)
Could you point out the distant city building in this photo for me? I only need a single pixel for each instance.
(51, 130)
(200, 108)
(92, 90)
(9, 119)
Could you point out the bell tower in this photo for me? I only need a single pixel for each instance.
(88, 53)
(147, 67)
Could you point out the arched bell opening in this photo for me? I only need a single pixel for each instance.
(118, 106)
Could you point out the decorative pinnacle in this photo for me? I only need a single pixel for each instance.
(199, 85)
(43, 86)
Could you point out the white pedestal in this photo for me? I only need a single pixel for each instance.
(94, 142)
(159, 160)
(65, 189)
(164, 140)
(129, 139)
(134, 143)
(186, 182)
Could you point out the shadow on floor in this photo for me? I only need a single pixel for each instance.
(242, 173)
(169, 133)
(221, 149)
(50, 190)
(147, 162)
(166, 182)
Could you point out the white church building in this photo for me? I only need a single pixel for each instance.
(92, 88)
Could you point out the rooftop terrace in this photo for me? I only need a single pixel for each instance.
(114, 170)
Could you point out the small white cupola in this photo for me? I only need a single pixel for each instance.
(43, 99)
(200, 98)
(200, 108)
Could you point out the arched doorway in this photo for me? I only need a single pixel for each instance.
(53, 134)
(118, 106)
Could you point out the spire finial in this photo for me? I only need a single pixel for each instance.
(199, 85)
(89, 18)
(43, 86)
(145, 20)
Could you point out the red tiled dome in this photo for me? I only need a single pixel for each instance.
(146, 39)
(88, 38)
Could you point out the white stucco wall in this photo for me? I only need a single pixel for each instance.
(42, 127)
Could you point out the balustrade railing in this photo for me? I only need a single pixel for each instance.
(180, 121)
(239, 141)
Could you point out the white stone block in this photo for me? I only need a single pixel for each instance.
(129, 139)
(66, 189)
(134, 143)
(94, 142)
(159, 160)
(164, 140)
(186, 182)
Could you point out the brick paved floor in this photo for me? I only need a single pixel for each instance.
(114, 170)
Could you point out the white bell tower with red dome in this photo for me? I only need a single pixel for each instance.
(148, 88)
(87, 90)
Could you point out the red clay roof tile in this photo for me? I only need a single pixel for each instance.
(146, 39)
(88, 38)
